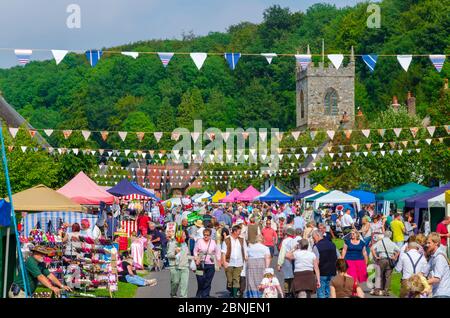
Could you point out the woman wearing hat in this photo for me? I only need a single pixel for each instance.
(270, 286)
(36, 273)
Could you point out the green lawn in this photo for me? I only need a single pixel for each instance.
(396, 277)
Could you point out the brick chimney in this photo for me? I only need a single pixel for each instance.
(411, 103)
(395, 103)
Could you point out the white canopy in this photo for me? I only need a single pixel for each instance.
(437, 201)
(196, 196)
(337, 196)
(173, 201)
(203, 197)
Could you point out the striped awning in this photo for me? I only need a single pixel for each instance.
(31, 220)
(135, 196)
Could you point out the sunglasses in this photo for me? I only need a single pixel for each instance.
(206, 235)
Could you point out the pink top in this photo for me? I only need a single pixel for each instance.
(201, 246)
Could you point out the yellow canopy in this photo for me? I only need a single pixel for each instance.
(447, 196)
(320, 188)
(40, 198)
(218, 196)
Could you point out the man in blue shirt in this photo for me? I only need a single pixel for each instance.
(299, 221)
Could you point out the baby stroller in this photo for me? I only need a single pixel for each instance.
(154, 258)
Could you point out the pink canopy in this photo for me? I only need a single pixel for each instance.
(82, 190)
(248, 194)
(231, 196)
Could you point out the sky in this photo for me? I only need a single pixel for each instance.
(42, 24)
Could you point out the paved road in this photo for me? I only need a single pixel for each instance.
(218, 288)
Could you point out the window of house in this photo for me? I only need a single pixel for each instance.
(331, 102)
(302, 105)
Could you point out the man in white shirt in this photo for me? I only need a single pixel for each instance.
(234, 254)
(411, 262)
(347, 222)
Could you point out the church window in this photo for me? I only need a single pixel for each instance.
(331, 102)
(302, 105)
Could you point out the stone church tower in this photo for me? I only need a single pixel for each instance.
(325, 96)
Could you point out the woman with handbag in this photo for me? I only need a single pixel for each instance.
(206, 253)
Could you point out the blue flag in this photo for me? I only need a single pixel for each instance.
(23, 56)
(93, 56)
(5, 213)
(304, 60)
(438, 61)
(165, 57)
(232, 59)
(370, 60)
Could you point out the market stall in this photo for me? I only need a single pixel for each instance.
(218, 196)
(394, 199)
(203, 197)
(82, 190)
(231, 197)
(248, 194)
(302, 195)
(365, 197)
(273, 194)
(337, 197)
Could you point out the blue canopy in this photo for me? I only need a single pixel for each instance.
(274, 194)
(5, 213)
(125, 187)
(365, 197)
(304, 194)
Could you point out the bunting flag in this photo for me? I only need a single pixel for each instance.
(23, 56)
(175, 136)
(131, 54)
(199, 59)
(336, 59)
(370, 60)
(32, 132)
(104, 135)
(225, 136)
(263, 135)
(330, 134)
(438, 61)
(13, 131)
(123, 135)
(93, 56)
(59, 55)
(295, 134)
(195, 136)
(405, 61)
(313, 134)
(48, 132)
(165, 57)
(304, 60)
(232, 59)
(348, 133)
(269, 56)
(366, 132)
(414, 131)
(245, 135)
(381, 132)
(397, 131)
(67, 133)
(140, 136)
(431, 130)
(86, 134)
(24, 148)
(158, 135)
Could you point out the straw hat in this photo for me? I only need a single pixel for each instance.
(269, 271)
(199, 223)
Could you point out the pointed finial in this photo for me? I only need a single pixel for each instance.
(352, 55)
(308, 50)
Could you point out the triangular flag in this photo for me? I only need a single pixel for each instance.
(313, 134)
(175, 136)
(158, 135)
(59, 55)
(245, 135)
(348, 133)
(232, 59)
(397, 131)
(225, 136)
(263, 135)
(48, 132)
(75, 151)
(23, 56)
(400, 151)
(304, 149)
(366, 132)
(13, 131)
(93, 56)
(104, 135)
(381, 144)
(414, 131)
(431, 130)
(269, 56)
(123, 135)
(132, 54)
(405, 61)
(24, 148)
(199, 59)
(165, 57)
(428, 141)
(32, 132)
(304, 60)
(195, 136)
(383, 152)
(438, 61)
(295, 134)
(67, 133)
(365, 153)
(336, 59)
(140, 136)
(10, 148)
(405, 143)
(370, 60)
(418, 150)
(86, 134)
(381, 132)
(330, 134)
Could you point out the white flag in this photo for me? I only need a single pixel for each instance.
(269, 56)
(59, 55)
(225, 136)
(397, 131)
(366, 132)
(199, 59)
(24, 148)
(158, 135)
(48, 132)
(132, 54)
(86, 134)
(262, 135)
(195, 136)
(431, 130)
(405, 61)
(295, 134)
(336, 59)
(330, 134)
(13, 131)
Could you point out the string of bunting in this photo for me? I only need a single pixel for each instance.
(232, 58)
(263, 135)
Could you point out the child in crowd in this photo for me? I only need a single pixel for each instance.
(418, 287)
(270, 286)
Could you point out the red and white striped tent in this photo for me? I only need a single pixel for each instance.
(135, 196)
(129, 226)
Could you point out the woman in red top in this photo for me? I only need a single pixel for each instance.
(142, 222)
(443, 231)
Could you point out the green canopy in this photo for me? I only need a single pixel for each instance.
(318, 195)
(400, 193)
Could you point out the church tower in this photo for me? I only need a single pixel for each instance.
(325, 96)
